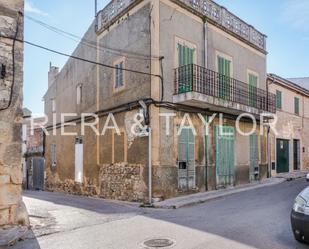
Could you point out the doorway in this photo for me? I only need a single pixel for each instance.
(296, 154)
(282, 155)
(38, 173)
(186, 159)
(254, 158)
(79, 160)
(225, 155)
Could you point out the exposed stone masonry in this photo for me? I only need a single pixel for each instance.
(12, 209)
(123, 182)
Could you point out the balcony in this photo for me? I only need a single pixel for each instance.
(204, 88)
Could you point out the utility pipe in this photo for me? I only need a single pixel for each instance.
(205, 35)
(206, 156)
(149, 166)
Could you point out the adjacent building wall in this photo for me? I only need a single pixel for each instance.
(12, 209)
(291, 126)
(114, 166)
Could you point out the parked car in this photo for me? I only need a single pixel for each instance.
(307, 177)
(300, 216)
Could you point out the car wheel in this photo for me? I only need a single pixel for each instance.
(298, 237)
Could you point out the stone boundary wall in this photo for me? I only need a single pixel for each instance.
(123, 182)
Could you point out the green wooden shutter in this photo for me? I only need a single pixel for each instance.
(186, 153)
(254, 156)
(279, 99)
(185, 57)
(225, 155)
(253, 90)
(221, 73)
(224, 69)
(296, 105)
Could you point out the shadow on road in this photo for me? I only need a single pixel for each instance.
(91, 204)
(258, 218)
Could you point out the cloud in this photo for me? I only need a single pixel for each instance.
(296, 13)
(30, 8)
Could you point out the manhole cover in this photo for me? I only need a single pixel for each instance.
(158, 243)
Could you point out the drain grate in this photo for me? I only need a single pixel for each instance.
(159, 243)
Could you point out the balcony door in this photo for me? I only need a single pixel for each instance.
(253, 82)
(224, 70)
(185, 64)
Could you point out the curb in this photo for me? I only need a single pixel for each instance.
(216, 195)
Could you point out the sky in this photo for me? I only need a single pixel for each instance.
(285, 22)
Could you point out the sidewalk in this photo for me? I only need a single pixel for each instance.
(292, 175)
(192, 199)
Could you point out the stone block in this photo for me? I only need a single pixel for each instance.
(12, 156)
(4, 216)
(10, 194)
(4, 179)
(16, 175)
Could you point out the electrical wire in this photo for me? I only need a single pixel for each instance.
(85, 60)
(92, 44)
(13, 62)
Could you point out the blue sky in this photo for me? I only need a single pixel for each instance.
(285, 22)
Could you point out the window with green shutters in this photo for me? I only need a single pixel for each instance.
(185, 57)
(224, 69)
(296, 105)
(253, 82)
(278, 99)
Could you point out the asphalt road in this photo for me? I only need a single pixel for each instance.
(257, 218)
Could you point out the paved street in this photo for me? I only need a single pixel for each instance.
(253, 219)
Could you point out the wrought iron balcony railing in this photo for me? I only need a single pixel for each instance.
(194, 78)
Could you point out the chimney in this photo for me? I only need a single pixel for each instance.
(53, 71)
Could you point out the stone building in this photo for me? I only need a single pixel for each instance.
(191, 57)
(12, 209)
(290, 147)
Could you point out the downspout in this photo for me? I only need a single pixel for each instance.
(269, 152)
(206, 156)
(205, 34)
(205, 63)
(268, 131)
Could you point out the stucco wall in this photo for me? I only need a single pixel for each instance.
(176, 22)
(291, 126)
(131, 35)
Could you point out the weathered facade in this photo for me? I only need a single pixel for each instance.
(210, 62)
(290, 146)
(12, 209)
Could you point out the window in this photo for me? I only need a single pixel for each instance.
(253, 83)
(53, 155)
(279, 99)
(79, 94)
(185, 57)
(296, 105)
(119, 75)
(53, 105)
